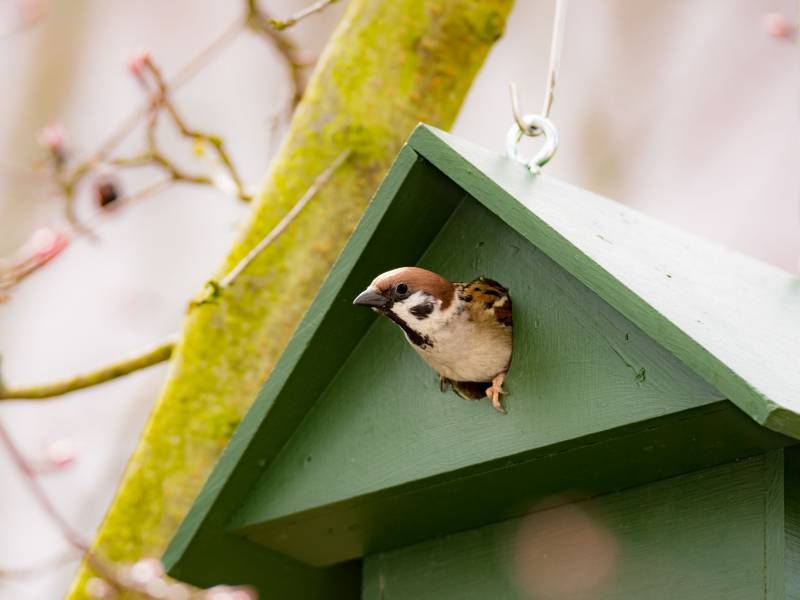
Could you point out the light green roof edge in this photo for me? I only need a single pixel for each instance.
(732, 319)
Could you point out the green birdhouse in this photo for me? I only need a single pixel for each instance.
(650, 448)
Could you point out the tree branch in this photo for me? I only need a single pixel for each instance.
(300, 15)
(115, 370)
(363, 96)
(260, 22)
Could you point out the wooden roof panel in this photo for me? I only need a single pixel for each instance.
(732, 319)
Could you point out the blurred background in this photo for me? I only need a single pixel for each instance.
(686, 110)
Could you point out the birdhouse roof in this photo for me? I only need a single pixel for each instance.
(657, 353)
(732, 319)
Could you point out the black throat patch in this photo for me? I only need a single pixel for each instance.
(416, 338)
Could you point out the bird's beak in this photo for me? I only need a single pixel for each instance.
(370, 297)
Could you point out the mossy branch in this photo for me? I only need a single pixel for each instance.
(151, 357)
(389, 65)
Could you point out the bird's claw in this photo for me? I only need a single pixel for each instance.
(443, 383)
(495, 391)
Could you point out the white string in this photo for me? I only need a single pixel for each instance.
(533, 125)
(556, 45)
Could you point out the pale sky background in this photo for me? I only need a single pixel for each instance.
(686, 110)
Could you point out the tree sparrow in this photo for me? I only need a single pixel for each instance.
(462, 330)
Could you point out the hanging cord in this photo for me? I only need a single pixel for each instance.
(535, 125)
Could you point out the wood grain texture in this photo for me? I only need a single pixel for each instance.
(732, 319)
(792, 521)
(774, 527)
(697, 536)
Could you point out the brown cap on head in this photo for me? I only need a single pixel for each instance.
(417, 280)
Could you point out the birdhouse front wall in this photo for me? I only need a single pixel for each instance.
(353, 475)
(383, 427)
(716, 533)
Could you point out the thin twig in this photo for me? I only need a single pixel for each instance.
(155, 158)
(29, 474)
(151, 357)
(183, 76)
(121, 578)
(162, 99)
(37, 568)
(261, 22)
(320, 181)
(300, 15)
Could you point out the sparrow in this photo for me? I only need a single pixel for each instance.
(462, 330)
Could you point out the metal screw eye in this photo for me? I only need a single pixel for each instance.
(536, 125)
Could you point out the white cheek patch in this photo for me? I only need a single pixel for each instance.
(432, 324)
(403, 308)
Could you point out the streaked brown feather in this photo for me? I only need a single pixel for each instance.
(488, 300)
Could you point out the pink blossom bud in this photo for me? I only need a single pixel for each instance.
(100, 589)
(157, 588)
(146, 570)
(224, 592)
(52, 137)
(777, 25)
(178, 591)
(30, 11)
(47, 243)
(137, 62)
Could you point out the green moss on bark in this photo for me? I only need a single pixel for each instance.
(389, 65)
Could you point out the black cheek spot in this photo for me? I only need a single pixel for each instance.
(467, 298)
(422, 311)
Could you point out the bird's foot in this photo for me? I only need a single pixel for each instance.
(495, 391)
(443, 383)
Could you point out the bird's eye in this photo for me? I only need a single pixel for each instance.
(401, 288)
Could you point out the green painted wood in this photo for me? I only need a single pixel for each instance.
(792, 520)
(405, 218)
(382, 439)
(199, 545)
(696, 536)
(774, 527)
(467, 498)
(732, 319)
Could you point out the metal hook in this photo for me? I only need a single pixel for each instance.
(546, 152)
(531, 125)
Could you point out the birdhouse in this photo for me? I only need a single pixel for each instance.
(650, 448)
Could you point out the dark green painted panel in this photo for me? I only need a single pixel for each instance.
(697, 536)
(226, 559)
(382, 430)
(792, 516)
(577, 469)
(578, 367)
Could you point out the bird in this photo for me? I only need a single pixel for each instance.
(461, 330)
